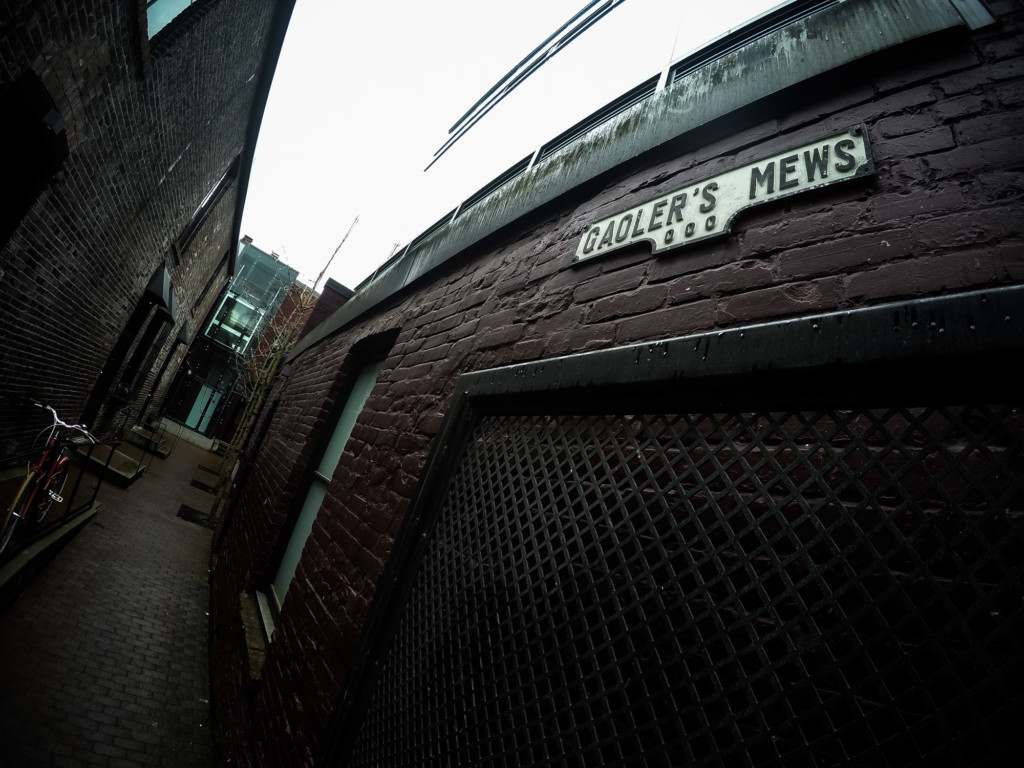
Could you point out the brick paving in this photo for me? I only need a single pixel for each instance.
(104, 658)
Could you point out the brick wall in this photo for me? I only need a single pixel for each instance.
(332, 297)
(943, 214)
(148, 136)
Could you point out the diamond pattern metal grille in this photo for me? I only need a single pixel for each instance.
(800, 588)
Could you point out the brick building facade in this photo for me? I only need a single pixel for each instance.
(789, 556)
(132, 155)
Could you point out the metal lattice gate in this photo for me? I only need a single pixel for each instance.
(780, 588)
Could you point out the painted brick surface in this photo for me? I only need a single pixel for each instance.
(943, 214)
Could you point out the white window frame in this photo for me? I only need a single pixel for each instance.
(364, 381)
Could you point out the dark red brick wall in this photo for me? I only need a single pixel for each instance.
(332, 297)
(148, 138)
(943, 214)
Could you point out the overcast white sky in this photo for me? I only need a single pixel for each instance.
(365, 94)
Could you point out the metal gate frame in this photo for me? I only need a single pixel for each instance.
(963, 345)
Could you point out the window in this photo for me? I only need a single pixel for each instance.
(364, 381)
(160, 13)
(235, 323)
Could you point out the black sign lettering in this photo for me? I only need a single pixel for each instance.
(675, 211)
(787, 166)
(709, 199)
(849, 161)
(758, 177)
(624, 224)
(657, 213)
(638, 230)
(670, 220)
(819, 162)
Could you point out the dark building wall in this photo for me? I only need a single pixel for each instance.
(150, 130)
(332, 298)
(942, 214)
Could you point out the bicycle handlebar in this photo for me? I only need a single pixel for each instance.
(57, 422)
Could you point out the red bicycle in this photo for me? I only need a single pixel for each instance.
(44, 483)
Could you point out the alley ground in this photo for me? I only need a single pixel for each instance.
(103, 659)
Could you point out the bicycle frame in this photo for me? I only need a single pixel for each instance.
(42, 491)
(45, 478)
